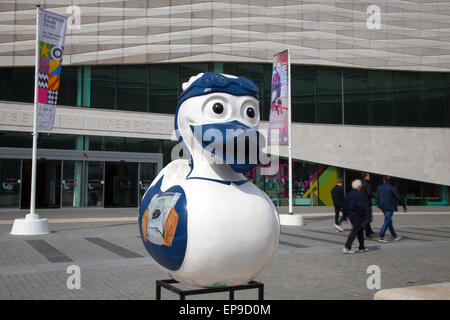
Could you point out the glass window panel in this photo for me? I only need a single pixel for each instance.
(266, 95)
(435, 195)
(447, 94)
(303, 93)
(432, 100)
(229, 68)
(68, 88)
(103, 81)
(164, 88)
(188, 70)
(71, 183)
(17, 84)
(380, 98)
(94, 184)
(355, 96)
(132, 75)
(10, 183)
(121, 144)
(132, 88)
(147, 172)
(305, 189)
(121, 184)
(409, 190)
(406, 98)
(132, 99)
(57, 141)
(167, 146)
(48, 184)
(12, 139)
(304, 183)
(329, 96)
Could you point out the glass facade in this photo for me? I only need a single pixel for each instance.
(94, 143)
(67, 183)
(319, 94)
(313, 183)
(415, 193)
(327, 95)
(75, 183)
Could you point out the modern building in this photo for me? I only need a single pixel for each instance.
(370, 92)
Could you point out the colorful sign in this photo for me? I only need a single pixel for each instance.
(52, 32)
(279, 109)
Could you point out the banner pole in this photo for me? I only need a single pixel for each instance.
(32, 213)
(290, 134)
(32, 224)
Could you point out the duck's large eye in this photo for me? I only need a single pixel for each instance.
(250, 112)
(217, 108)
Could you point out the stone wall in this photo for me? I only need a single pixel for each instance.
(407, 35)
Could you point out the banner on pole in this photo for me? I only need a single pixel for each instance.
(279, 106)
(52, 32)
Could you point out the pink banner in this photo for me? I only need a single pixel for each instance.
(279, 108)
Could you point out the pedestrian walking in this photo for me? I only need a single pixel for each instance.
(338, 196)
(355, 210)
(387, 198)
(367, 191)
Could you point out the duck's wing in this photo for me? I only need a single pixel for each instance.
(163, 216)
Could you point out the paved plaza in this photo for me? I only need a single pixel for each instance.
(309, 263)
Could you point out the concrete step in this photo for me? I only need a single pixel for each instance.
(438, 291)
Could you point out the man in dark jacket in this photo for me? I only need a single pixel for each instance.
(337, 194)
(367, 191)
(355, 209)
(387, 197)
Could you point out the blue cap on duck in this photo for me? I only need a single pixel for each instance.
(211, 82)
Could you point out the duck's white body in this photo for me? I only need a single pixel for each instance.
(233, 230)
(219, 229)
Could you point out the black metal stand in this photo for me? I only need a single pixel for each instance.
(168, 284)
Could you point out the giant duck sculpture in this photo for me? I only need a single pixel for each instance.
(201, 220)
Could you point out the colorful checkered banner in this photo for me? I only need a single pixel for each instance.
(52, 32)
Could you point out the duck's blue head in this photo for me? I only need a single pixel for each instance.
(221, 113)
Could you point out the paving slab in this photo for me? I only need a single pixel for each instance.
(308, 264)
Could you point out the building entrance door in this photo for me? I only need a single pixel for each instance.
(121, 184)
(48, 184)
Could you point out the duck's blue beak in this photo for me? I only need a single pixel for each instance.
(236, 143)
